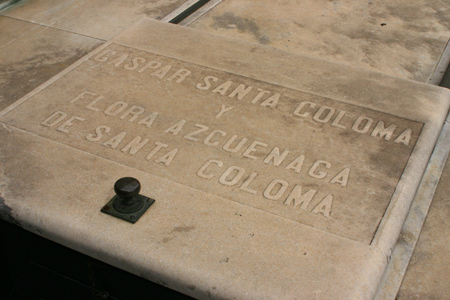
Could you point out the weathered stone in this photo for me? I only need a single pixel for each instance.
(31, 54)
(96, 18)
(275, 175)
(429, 264)
(400, 38)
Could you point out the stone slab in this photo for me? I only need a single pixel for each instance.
(31, 54)
(224, 224)
(418, 212)
(400, 38)
(429, 265)
(96, 18)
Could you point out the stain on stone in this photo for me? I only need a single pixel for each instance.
(6, 213)
(183, 229)
(166, 239)
(224, 260)
(21, 77)
(159, 11)
(230, 21)
(192, 287)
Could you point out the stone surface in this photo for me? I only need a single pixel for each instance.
(31, 54)
(305, 154)
(429, 266)
(418, 211)
(222, 225)
(96, 18)
(400, 38)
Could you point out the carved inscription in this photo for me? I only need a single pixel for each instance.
(314, 160)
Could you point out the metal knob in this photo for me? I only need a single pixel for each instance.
(126, 188)
(127, 204)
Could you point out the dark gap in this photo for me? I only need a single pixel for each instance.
(188, 11)
(446, 79)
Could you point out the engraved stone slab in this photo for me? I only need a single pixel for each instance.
(313, 160)
(275, 162)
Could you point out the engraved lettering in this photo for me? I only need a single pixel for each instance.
(223, 110)
(135, 62)
(201, 172)
(81, 96)
(148, 120)
(341, 177)
(158, 147)
(245, 185)
(181, 74)
(167, 158)
(207, 83)
(320, 117)
(276, 189)
(381, 131)
(241, 91)
(54, 119)
(69, 123)
(275, 157)
(115, 140)
(135, 145)
(297, 198)
(296, 164)
(118, 61)
(207, 140)
(90, 106)
(338, 119)
(236, 175)
(272, 102)
(362, 120)
(134, 111)
(222, 89)
(115, 108)
(260, 94)
(324, 207)
(150, 65)
(252, 148)
(404, 137)
(227, 146)
(162, 72)
(319, 174)
(298, 110)
(98, 133)
(191, 136)
(176, 128)
(103, 56)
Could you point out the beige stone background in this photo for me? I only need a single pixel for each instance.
(38, 39)
(400, 38)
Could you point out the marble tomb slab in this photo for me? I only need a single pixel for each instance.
(275, 175)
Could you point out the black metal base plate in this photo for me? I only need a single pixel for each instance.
(129, 217)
